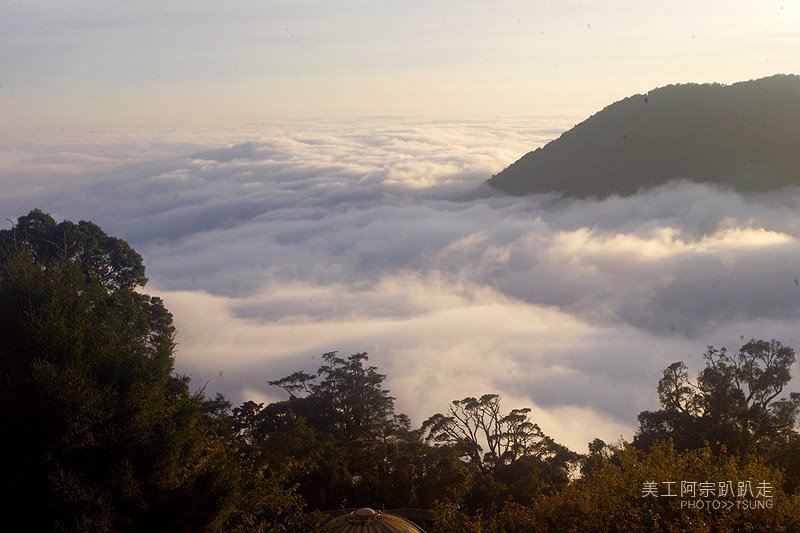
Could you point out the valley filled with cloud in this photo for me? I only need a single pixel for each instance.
(276, 241)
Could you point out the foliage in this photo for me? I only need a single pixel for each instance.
(520, 461)
(100, 433)
(344, 442)
(612, 497)
(348, 400)
(104, 260)
(735, 402)
(472, 423)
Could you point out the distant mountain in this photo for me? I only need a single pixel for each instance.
(745, 135)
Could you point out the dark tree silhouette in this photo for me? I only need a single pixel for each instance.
(99, 433)
(735, 402)
(471, 424)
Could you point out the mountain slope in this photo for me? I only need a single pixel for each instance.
(745, 135)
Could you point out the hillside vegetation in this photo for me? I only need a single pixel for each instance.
(745, 136)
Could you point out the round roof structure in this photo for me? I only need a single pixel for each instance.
(366, 520)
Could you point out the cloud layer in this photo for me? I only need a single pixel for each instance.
(273, 243)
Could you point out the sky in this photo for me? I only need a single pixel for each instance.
(121, 62)
(306, 177)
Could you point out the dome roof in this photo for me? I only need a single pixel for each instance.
(368, 520)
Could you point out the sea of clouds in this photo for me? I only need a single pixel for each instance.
(273, 242)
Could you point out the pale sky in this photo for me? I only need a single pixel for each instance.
(66, 62)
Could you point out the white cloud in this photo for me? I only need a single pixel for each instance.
(436, 341)
(272, 245)
(662, 243)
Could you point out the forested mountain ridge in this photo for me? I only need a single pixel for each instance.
(745, 136)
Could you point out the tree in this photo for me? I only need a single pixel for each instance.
(102, 259)
(736, 401)
(348, 401)
(599, 455)
(614, 496)
(345, 444)
(335, 430)
(472, 423)
(99, 432)
(519, 460)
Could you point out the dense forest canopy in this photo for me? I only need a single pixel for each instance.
(102, 434)
(742, 136)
